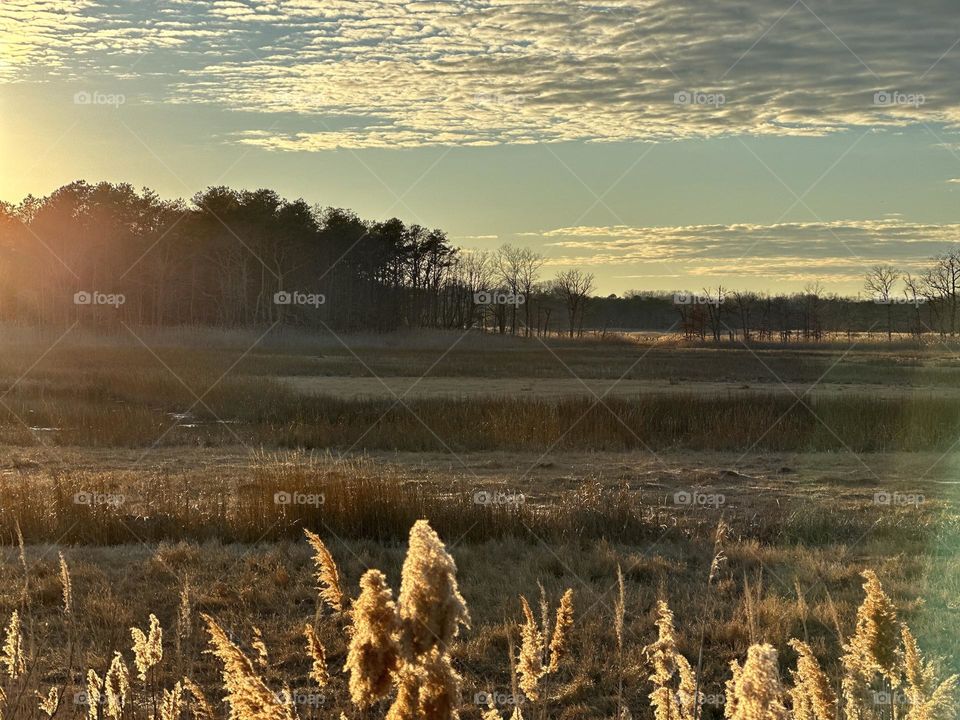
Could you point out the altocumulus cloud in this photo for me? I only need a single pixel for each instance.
(840, 250)
(378, 73)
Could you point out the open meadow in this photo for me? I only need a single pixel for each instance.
(479, 360)
(173, 474)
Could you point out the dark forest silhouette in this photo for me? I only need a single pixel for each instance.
(103, 253)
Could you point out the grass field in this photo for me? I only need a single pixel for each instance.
(187, 464)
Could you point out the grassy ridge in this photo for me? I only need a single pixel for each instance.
(277, 496)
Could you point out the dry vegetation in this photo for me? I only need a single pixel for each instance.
(157, 567)
(119, 392)
(374, 656)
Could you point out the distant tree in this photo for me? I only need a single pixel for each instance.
(942, 282)
(743, 305)
(574, 286)
(715, 302)
(519, 269)
(879, 281)
(913, 291)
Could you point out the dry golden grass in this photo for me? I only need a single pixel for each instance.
(407, 660)
(114, 392)
(313, 629)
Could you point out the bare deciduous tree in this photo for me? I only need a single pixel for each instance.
(879, 281)
(519, 269)
(574, 286)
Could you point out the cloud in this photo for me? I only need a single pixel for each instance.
(839, 250)
(380, 73)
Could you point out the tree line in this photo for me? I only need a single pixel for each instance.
(104, 253)
(894, 302)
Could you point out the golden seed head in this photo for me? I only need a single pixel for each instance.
(430, 606)
(13, 652)
(373, 655)
(326, 573)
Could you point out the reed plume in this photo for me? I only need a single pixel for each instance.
(920, 676)
(326, 572)
(533, 661)
(544, 613)
(876, 639)
(754, 691)
(373, 655)
(941, 705)
(530, 660)
(427, 690)
(247, 694)
(439, 693)
(263, 656)
(147, 648)
(670, 703)
(50, 702)
(200, 707)
(491, 713)
(116, 686)
(171, 706)
(406, 704)
(873, 650)
(619, 617)
(13, 653)
(94, 694)
(926, 699)
(562, 630)
(430, 606)
(66, 585)
(318, 657)
(811, 697)
(184, 616)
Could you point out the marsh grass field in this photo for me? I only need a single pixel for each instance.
(187, 464)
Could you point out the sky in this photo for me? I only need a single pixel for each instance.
(659, 144)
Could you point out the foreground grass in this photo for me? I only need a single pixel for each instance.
(141, 532)
(764, 593)
(794, 553)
